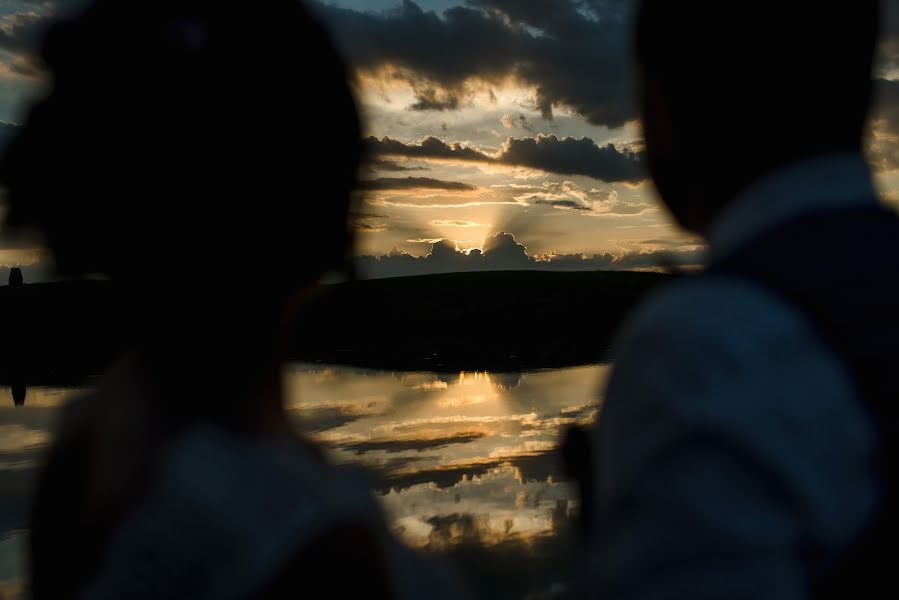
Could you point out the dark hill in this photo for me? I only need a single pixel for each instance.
(63, 333)
(496, 321)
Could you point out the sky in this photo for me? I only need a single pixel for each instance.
(502, 133)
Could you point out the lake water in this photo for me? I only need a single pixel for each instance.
(463, 464)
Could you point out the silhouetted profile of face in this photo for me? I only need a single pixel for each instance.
(732, 91)
(191, 144)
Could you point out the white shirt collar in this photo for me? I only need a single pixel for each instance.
(829, 182)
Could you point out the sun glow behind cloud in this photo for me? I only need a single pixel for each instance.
(484, 124)
(494, 83)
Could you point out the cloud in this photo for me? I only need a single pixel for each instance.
(370, 228)
(565, 156)
(501, 252)
(668, 242)
(393, 446)
(563, 204)
(569, 196)
(414, 183)
(20, 32)
(433, 98)
(377, 164)
(519, 122)
(429, 148)
(595, 203)
(446, 258)
(628, 261)
(416, 203)
(367, 215)
(570, 53)
(883, 141)
(20, 36)
(456, 223)
(889, 49)
(364, 222)
(571, 156)
(18, 250)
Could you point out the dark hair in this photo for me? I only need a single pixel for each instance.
(194, 140)
(788, 77)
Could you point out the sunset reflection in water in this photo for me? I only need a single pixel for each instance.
(462, 458)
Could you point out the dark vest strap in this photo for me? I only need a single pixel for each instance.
(841, 270)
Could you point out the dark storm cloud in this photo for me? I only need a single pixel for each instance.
(559, 18)
(414, 183)
(571, 156)
(566, 156)
(501, 252)
(377, 164)
(433, 98)
(573, 54)
(429, 148)
(427, 50)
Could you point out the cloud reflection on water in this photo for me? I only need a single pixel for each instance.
(458, 459)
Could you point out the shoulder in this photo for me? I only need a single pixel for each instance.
(735, 349)
(717, 327)
(715, 309)
(725, 365)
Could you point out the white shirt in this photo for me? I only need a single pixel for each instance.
(730, 437)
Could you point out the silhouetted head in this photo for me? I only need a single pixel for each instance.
(731, 91)
(206, 148)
